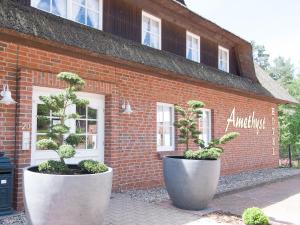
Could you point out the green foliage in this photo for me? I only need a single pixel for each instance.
(186, 124)
(260, 56)
(92, 166)
(66, 151)
(59, 129)
(283, 71)
(53, 167)
(59, 138)
(188, 130)
(289, 120)
(74, 139)
(255, 216)
(204, 154)
(228, 137)
(71, 78)
(46, 144)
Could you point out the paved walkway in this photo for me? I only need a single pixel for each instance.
(125, 211)
(280, 201)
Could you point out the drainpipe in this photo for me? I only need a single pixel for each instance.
(17, 105)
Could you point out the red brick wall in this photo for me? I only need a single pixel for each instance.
(130, 140)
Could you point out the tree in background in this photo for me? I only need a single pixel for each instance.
(260, 55)
(283, 71)
(289, 120)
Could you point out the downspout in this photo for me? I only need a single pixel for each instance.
(17, 105)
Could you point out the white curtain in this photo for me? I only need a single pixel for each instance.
(75, 12)
(93, 13)
(41, 4)
(59, 7)
(146, 31)
(93, 19)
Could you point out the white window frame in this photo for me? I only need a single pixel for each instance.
(209, 128)
(69, 12)
(197, 37)
(151, 17)
(172, 147)
(38, 156)
(219, 58)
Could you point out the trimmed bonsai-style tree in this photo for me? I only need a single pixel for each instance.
(188, 131)
(192, 180)
(59, 138)
(79, 193)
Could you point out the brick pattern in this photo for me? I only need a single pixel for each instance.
(130, 140)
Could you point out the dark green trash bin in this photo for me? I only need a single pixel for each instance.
(6, 185)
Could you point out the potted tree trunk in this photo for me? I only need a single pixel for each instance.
(192, 180)
(61, 194)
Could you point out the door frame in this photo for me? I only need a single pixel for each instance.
(38, 156)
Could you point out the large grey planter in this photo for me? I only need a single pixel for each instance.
(66, 199)
(191, 184)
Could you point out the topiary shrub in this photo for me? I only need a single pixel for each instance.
(59, 138)
(188, 130)
(92, 166)
(53, 167)
(255, 216)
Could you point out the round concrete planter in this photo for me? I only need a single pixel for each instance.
(66, 199)
(191, 184)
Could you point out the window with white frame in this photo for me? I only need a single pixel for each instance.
(87, 125)
(151, 31)
(224, 59)
(87, 12)
(192, 47)
(205, 126)
(165, 127)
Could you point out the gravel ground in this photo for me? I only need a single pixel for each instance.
(17, 219)
(226, 184)
(226, 218)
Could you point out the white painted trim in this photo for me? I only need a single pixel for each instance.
(197, 37)
(69, 12)
(151, 17)
(209, 122)
(227, 51)
(98, 154)
(172, 147)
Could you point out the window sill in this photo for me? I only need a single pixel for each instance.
(163, 154)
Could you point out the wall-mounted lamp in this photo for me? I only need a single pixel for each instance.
(6, 96)
(126, 108)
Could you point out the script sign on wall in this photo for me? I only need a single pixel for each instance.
(246, 122)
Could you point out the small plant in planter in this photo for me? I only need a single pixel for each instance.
(69, 192)
(192, 180)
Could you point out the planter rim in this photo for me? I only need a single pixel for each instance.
(192, 160)
(59, 175)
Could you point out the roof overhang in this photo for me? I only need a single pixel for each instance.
(31, 27)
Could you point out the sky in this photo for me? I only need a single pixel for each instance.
(272, 23)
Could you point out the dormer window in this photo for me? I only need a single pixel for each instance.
(223, 59)
(192, 47)
(56, 7)
(87, 12)
(151, 31)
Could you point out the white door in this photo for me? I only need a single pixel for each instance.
(90, 124)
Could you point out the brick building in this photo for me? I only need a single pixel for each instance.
(150, 54)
